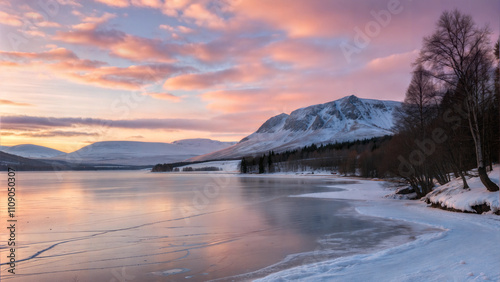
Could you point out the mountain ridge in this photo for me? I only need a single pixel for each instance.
(345, 119)
(123, 152)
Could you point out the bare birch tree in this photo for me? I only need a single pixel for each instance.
(459, 54)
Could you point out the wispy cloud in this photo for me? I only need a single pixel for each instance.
(238, 75)
(12, 103)
(68, 65)
(50, 133)
(121, 44)
(163, 96)
(35, 123)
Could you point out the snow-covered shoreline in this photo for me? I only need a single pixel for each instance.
(452, 196)
(466, 250)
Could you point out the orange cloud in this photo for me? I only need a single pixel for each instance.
(10, 19)
(8, 64)
(12, 103)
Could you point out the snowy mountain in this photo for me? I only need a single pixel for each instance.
(31, 151)
(348, 118)
(143, 153)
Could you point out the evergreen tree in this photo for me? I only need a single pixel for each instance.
(243, 166)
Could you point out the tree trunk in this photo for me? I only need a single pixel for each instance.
(474, 128)
(466, 185)
(490, 185)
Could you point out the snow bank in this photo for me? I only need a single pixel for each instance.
(225, 166)
(453, 196)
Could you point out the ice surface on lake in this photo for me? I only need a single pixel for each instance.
(105, 225)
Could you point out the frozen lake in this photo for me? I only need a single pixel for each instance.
(141, 226)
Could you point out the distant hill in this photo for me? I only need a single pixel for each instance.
(142, 153)
(32, 151)
(17, 162)
(346, 119)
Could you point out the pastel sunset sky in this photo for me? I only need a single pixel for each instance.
(77, 72)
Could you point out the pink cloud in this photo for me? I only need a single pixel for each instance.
(147, 3)
(297, 18)
(34, 32)
(163, 96)
(302, 54)
(128, 78)
(92, 22)
(5, 3)
(69, 3)
(228, 48)
(185, 29)
(115, 3)
(120, 44)
(167, 27)
(202, 16)
(57, 54)
(169, 7)
(66, 64)
(240, 75)
(276, 100)
(393, 63)
(39, 20)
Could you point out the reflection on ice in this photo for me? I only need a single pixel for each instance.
(93, 225)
